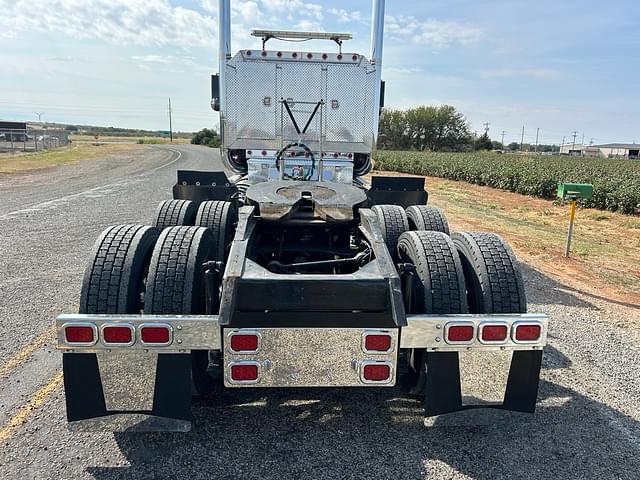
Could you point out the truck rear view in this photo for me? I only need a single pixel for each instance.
(290, 269)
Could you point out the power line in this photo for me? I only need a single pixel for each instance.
(502, 141)
(522, 139)
(575, 134)
(537, 135)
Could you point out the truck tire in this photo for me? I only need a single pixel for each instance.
(437, 288)
(114, 280)
(423, 217)
(175, 285)
(493, 278)
(220, 217)
(393, 223)
(173, 213)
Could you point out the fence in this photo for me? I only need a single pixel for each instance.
(32, 140)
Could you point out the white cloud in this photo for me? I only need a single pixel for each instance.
(434, 33)
(344, 16)
(121, 22)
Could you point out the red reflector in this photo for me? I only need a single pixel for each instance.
(244, 372)
(377, 343)
(294, 55)
(325, 56)
(460, 333)
(309, 56)
(79, 334)
(494, 333)
(528, 333)
(155, 334)
(244, 343)
(339, 57)
(117, 334)
(376, 372)
(354, 58)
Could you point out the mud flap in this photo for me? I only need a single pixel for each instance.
(443, 393)
(87, 407)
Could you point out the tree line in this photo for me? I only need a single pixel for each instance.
(437, 129)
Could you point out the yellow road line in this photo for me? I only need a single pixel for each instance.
(36, 402)
(26, 352)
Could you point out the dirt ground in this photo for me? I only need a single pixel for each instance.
(605, 259)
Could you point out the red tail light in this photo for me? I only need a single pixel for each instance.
(118, 334)
(377, 342)
(309, 56)
(354, 57)
(155, 334)
(527, 333)
(457, 333)
(493, 333)
(244, 342)
(244, 372)
(80, 334)
(376, 372)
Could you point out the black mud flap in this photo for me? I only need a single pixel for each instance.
(402, 191)
(443, 392)
(85, 399)
(203, 186)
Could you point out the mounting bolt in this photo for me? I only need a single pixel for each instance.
(438, 326)
(438, 339)
(179, 340)
(179, 327)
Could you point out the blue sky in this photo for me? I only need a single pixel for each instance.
(555, 65)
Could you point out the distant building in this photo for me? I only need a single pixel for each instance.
(13, 131)
(608, 150)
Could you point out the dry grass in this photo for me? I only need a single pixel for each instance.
(606, 246)
(60, 156)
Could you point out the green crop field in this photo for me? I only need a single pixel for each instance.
(616, 182)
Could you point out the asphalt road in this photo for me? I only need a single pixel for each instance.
(586, 427)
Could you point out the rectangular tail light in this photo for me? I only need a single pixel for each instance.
(80, 334)
(118, 334)
(376, 342)
(526, 332)
(156, 334)
(459, 332)
(244, 372)
(244, 342)
(376, 372)
(493, 332)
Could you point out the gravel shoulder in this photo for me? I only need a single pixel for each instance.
(587, 425)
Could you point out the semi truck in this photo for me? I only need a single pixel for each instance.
(294, 267)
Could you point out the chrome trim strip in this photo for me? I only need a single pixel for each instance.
(155, 324)
(189, 332)
(115, 344)
(242, 331)
(427, 331)
(243, 382)
(367, 333)
(61, 334)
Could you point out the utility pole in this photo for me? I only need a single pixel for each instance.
(39, 114)
(563, 139)
(502, 141)
(522, 139)
(486, 127)
(583, 139)
(575, 134)
(170, 125)
(537, 134)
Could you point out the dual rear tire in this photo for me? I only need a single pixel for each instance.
(159, 270)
